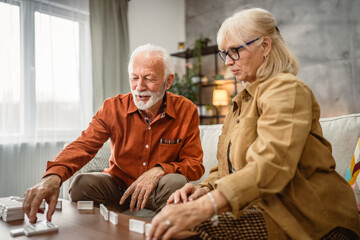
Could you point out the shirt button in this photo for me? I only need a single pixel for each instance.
(147, 146)
(246, 99)
(144, 163)
(149, 128)
(237, 120)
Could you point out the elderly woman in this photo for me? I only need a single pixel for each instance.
(276, 176)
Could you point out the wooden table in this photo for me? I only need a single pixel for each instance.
(75, 224)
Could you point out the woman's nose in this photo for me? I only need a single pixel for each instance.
(228, 60)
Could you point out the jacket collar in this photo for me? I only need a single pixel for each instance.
(249, 90)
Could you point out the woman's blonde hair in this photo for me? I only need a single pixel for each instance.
(249, 24)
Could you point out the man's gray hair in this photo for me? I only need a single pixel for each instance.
(150, 48)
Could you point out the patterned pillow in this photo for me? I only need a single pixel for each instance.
(352, 173)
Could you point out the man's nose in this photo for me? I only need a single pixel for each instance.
(141, 86)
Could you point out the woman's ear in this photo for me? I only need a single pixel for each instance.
(266, 45)
(169, 81)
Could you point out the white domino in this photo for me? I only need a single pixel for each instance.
(106, 214)
(147, 229)
(85, 205)
(40, 227)
(59, 204)
(42, 205)
(136, 226)
(114, 218)
(102, 207)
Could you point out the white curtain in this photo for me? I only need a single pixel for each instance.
(45, 85)
(110, 48)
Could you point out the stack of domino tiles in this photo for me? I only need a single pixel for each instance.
(11, 209)
(109, 215)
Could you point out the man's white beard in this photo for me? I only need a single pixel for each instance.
(154, 98)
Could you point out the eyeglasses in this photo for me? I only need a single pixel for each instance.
(233, 53)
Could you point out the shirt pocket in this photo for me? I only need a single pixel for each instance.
(243, 135)
(169, 150)
(247, 129)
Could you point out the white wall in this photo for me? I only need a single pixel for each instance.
(160, 22)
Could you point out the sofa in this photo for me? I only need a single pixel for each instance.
(343, 133)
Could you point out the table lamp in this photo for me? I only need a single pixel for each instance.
(220, 98)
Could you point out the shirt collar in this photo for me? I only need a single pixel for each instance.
(248, 90)
(168, 105)
(252, 87)
(132, 107)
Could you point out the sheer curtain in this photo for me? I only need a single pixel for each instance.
(45, 85)
(110, 48)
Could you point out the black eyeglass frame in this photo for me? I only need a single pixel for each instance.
(226, 53)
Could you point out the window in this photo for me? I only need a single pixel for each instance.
(9, 66)
(45, 71)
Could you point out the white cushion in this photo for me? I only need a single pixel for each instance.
(209, 135)
(342, 132)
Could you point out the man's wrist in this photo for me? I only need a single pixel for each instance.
(158, 166)
(159, 171)
(53, 177)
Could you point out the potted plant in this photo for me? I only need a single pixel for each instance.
(184, 86)
(199, 44)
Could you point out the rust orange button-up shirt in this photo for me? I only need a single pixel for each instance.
(171, 140)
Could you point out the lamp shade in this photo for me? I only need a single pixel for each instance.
(220, 97)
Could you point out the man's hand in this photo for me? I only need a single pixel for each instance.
(142, 188)
(188, 192)
(48, 188)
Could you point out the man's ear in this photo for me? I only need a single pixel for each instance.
(266, 44)
(169, 80)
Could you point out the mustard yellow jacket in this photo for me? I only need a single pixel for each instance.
(282, 161)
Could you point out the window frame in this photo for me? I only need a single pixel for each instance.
(28, 131)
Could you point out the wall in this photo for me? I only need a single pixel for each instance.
(323, 34)
(160, 22)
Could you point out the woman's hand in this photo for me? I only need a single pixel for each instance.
(179, 217)
(188, 192)
(175, 218)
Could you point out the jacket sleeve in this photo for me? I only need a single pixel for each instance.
(285, 115)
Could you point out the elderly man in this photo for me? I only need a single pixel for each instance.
(155, 145)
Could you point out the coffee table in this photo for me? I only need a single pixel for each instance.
(75, 224)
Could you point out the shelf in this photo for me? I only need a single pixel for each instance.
(203, 87)
(188, 53)
(217, 82)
